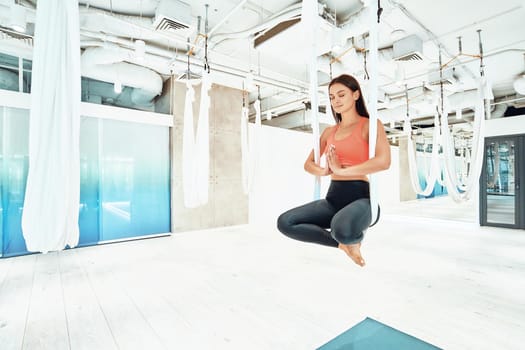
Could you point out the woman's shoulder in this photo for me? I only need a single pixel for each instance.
(327, 133)
(329, 130)
(366, 122)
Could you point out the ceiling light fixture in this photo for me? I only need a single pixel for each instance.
(397, 34)
(17, 18)
(117, 86)
(140, 49)
(249, 81)
(399, 74)
(459, 113)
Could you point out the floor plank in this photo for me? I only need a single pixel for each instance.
(127, 324)
(15, 293)
(5, 265)
(46, 326)
(87, 325)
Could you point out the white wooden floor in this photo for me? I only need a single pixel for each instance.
(453, 284)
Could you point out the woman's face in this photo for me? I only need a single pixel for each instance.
(342, 98)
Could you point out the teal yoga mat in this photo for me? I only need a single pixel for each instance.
(370, 334)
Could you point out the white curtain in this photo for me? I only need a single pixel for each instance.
(51, 204)
(196, 148)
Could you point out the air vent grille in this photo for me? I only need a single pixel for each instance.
(170, 25)
(408, 49)
(173, 16)
(413, 56)
(189, 76)
(447, 77)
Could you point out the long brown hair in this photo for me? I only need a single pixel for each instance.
(351, 83)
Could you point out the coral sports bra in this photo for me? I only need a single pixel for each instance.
(351, 150)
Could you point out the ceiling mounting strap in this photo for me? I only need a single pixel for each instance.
(206, 64)
(406, 97)
(441, 113)
(379, 11)
(366, 75)
(481, 65)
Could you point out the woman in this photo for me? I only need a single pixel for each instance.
(346, 208)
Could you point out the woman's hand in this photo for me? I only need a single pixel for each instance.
(325, 171)
(333, 160)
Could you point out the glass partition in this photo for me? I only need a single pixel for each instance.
(134, 179)
(124, 179)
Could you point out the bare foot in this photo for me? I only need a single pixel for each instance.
(354, 252)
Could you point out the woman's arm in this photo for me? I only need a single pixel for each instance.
(381, 160)
(310, 166)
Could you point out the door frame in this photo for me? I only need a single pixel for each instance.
(519, 182)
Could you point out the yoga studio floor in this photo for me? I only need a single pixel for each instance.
(450, 283)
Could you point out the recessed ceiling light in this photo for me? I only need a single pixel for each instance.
(397, 34)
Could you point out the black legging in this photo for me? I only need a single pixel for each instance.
(345, 210)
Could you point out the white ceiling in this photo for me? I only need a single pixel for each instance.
(280, 65)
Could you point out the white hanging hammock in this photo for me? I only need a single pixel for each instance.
(461, 192)
(310, 19)
(434, 172)
(202, 142)
(245, 152)
(188, 150)
(372, 102)
(250, 147)
(196, 149)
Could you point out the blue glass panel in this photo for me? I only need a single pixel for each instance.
(88, 219)
(134, 188)
(13, 176)
(2, 186)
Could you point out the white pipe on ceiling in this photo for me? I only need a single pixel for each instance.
(287, 14)
(225, 18)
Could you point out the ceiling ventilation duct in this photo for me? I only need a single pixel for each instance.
(108, 64)
(408, 49)
(448, 77)
(172, 15)
(6, 34)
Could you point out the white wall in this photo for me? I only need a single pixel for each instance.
(281, 182)
(505, 126)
